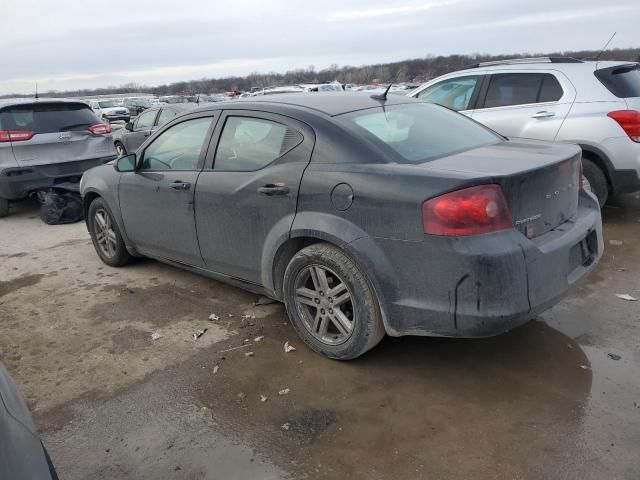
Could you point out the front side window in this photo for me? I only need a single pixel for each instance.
(145, 120)
(420, 132)
(453, 93)
(177, 148)
(248, 144)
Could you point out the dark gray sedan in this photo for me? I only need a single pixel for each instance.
(22, 455)
(364, 215)
(138, 130)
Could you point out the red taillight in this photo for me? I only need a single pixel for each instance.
(470, 211)
(100, 129)
(629, 120)
(15, 135)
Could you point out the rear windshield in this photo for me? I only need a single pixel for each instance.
(420, 132)
(47, 117)
(623, 81)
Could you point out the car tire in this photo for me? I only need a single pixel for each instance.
(120, 149)
(4, 207)
(597, 180)
(106, 236)
(316, 283)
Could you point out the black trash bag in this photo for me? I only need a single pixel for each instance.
(58, 206)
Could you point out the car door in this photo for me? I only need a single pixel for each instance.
(142, 127)
(157, 200)
(525, 104)
(457, 93)
(247, 195)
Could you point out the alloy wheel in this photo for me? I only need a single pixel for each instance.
(325, 304)
(104, 232)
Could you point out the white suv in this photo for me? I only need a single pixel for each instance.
(593, 104)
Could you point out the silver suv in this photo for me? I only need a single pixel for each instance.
(46, 142)
(593, 104)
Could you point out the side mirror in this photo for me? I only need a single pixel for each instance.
(129, 126)
(127, 163)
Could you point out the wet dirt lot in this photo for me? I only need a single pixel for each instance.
(543, 401)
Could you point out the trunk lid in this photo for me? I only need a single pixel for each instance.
(60, 133)
(540, 180)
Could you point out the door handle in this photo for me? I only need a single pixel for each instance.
(271, 189)
(178, 185)
(543, 114)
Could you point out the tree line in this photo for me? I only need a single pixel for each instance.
(415, 70)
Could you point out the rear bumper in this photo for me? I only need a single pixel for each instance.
(18, 182)
(485, 285)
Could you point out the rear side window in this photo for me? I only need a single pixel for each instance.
(47, 117)
(165, 116)
(249, 144)
(421, 132)
(623, 81)
(507, 89)
(550, 91)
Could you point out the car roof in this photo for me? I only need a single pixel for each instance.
(332, 104)
(573, 66)
(10, 102)
(178, 107)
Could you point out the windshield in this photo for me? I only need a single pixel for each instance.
(108, 104)
(420, 132)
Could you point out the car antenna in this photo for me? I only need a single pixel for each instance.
(605, 46)
(36, 89)
(382, 96)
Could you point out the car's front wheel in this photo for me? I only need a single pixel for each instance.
(120, 150)
(106, 236)
(330, 302)
(4, 207)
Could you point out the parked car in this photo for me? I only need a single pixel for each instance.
(135, 133)
(47, 142)
(364, 215)
(137, 105)
(22, 454)
(109, 110)
(593, 104)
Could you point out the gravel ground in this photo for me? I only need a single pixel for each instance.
(543, 401)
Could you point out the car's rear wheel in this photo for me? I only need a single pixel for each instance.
(106, 236)
(4, 207)
(330, 302)
(120, 150)
(597, 180)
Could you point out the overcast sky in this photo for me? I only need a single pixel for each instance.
(68, 44)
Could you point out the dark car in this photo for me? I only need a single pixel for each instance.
(137, 105)
(136, 132)
(364, 215)
(22, 455)
(46, 142)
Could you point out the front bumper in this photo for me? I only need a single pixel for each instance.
(485, 285)
(18, 182)
(113, 117)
